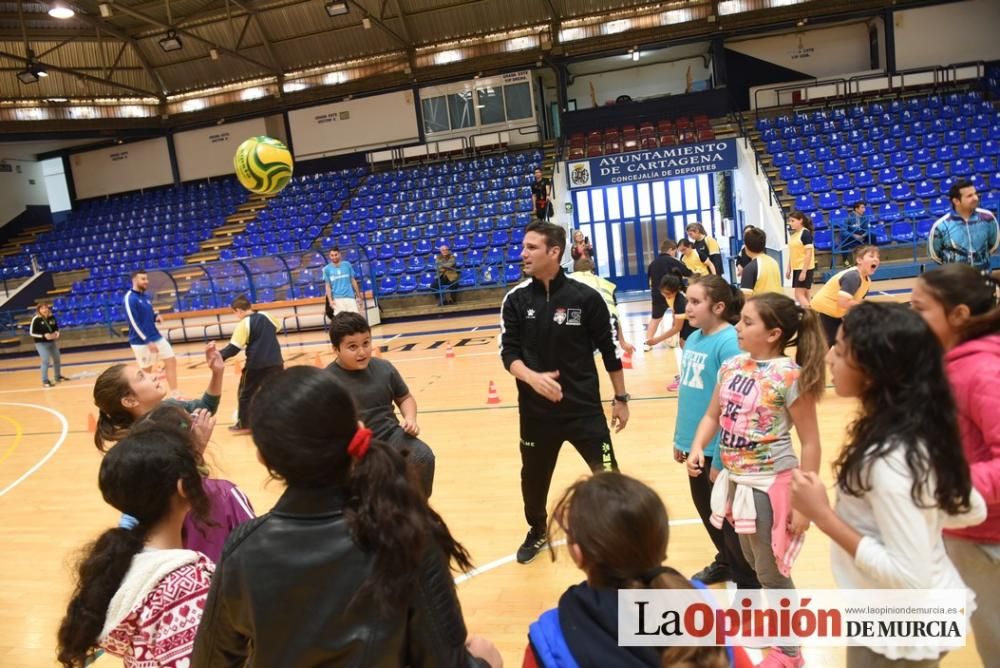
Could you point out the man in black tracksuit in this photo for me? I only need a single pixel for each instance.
(550, 328)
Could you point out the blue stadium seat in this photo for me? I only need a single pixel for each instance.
(797, 187)
(902, 232)
(914, 207)
(819, 184)
(842, 181)
(828, 200)
(805, 203)
(425, 281)
(407, 284)
(387, 286)
(863, 178)
(875, 195)
(936, 170)
(810, 169)
(877, 161)
(823, 240)
(888, 175)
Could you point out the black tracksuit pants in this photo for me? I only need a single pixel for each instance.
(250, 382)
(541, 440)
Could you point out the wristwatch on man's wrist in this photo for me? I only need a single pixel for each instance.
(623, 398)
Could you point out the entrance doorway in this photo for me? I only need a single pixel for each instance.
(627, 223)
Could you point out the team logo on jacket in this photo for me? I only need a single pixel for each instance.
(531, 314)
(574, 316)
(559, 317)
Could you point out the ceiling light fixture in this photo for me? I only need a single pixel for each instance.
(61, 11)
(213, 54)
(367, 23)
(336, 8)
(32, 71)
(171, 42)
(105, 10)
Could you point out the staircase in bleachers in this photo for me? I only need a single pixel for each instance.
(899, 156)
(111, 237)
(396, 221)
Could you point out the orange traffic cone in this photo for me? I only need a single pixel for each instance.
(492, 397)
(626, 360)
(318, 362)
(376, 351)
(91, 423)
(449, 351)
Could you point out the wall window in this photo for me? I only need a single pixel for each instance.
(490, 103)
(435, 114)
(460, 110)
(518, 98)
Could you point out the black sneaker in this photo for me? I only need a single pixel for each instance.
(60, 379)
(714, 573)
(47, 383)
(532, 545)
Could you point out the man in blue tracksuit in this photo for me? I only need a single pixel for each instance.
(146, 341)
(966, 234)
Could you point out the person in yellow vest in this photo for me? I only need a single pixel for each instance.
(801, 256)
(583, 271)
(707, 247)
(762, 274)
(693, 261)
(845, 290)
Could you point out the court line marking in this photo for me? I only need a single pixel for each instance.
(52, 450)
(503, 561)
(18, 435)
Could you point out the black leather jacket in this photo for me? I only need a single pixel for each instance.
(280, 598)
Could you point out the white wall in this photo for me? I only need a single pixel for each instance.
(352, 125)
(209, 151)
(54, 174)
(640, 82)
(121, 168)
(945, 34)
(824, 52)
(24, 185)
(751, 191)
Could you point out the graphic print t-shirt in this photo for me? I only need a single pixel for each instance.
(754, 396)
(703, 357)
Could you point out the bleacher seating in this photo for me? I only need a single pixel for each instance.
(397, 220)
(15, 266)
(648, 135)
(294, 219)
(899, 157)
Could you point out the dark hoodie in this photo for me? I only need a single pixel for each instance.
(586, 624)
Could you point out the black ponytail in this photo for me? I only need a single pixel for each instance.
(386, 510)
(138, 477)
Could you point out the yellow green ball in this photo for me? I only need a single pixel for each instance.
(263, 165)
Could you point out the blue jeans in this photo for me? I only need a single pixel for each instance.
(49, 352)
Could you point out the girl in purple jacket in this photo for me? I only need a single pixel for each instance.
(959, 303)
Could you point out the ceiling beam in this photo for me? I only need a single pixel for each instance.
(110, 29)
(156, 22)
(380, 23)
(268, 45)
(411, 50)
(82, 76)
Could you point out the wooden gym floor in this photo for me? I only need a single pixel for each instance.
(50, 505)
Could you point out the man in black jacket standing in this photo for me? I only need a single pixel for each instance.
(550, 327)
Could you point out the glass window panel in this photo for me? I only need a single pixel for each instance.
(435, 114)
(690, 194)
(631, 259)
(460, 110)
(582, 206)
(704, 190)
(628, 201)
(659, 197)
(518, 97)
(680, 226)
(597, 204)
(614, 203)
(490, 103)
(617, 249)
(676, 201)
(601, 255)
(645, 205)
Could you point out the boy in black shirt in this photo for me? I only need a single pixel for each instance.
(258, 333)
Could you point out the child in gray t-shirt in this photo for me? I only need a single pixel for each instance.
(377, 389)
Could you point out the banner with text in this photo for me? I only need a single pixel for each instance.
(653, 165)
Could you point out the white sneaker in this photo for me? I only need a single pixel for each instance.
(646, 347)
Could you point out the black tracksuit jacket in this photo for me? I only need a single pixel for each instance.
(558, 330)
